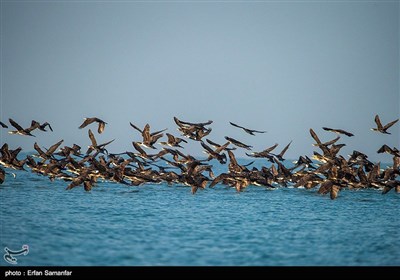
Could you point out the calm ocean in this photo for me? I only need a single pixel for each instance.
(167, 225)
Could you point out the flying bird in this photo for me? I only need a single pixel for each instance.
(247, 130)
(87, 121)
(383, 129)
(338, 131)
(181, 123)
(280, 155)
(20, 130)
(386, 149)
(216, 145)
(173, 141)
(265, 153)
(41, 127)
(95, 146)
(49, 153)
(238, 143)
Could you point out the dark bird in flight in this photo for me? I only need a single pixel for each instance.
(264, 154)
(322, 146)
(95, 146)
(238, 143)
(194, 131)
(142, 130)
(173, 141)
(66, 151)
(280, 155)
(216, 145)
(142, 153)
(339, 131)
(247, 130)
(149, 139)
(330, 142)
(216, 153)
(304, 161)
(20, 130)
(49, 153)
(3, 125)
(315, 137)
(181, 123)
(383, 129)
(41, 127)
(87, 121)
(386, 149)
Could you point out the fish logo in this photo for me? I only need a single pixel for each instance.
(9, 256)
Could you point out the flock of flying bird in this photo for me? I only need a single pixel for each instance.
(329, 171)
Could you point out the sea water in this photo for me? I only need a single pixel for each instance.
(157, 224)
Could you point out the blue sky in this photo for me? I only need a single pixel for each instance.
(283, 67)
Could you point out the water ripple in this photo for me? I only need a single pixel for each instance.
(166, 225)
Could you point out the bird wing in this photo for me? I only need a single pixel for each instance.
(171, 138)
(341, 131)
(135, 127)
(314, 136)
(254, 154)
(270, 149)
(345, 132)
(331, 141)
(3, 125)
(102, 125)
(328, 129)
(218, 179)
(47, 124)
(178, 122)
(52, 149)
(236, 125)
(208, 149)
(34, 125)
(384, 149)
(253, 130)
(285, 149)
(14, 124)
(138, 148)
(238, 143)
(91, 136)
(37, 148)
(158, 132)
(378, 122)
(390, 124)
(249, 131)
(178, 140)
(86, 122)
(232, 158)
(153, 139)
(221, 148)
(215, 145)
(105, 144)
(196, 124)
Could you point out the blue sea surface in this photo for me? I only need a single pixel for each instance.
(167, 225)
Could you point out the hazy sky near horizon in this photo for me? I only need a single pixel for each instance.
(284, 67)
